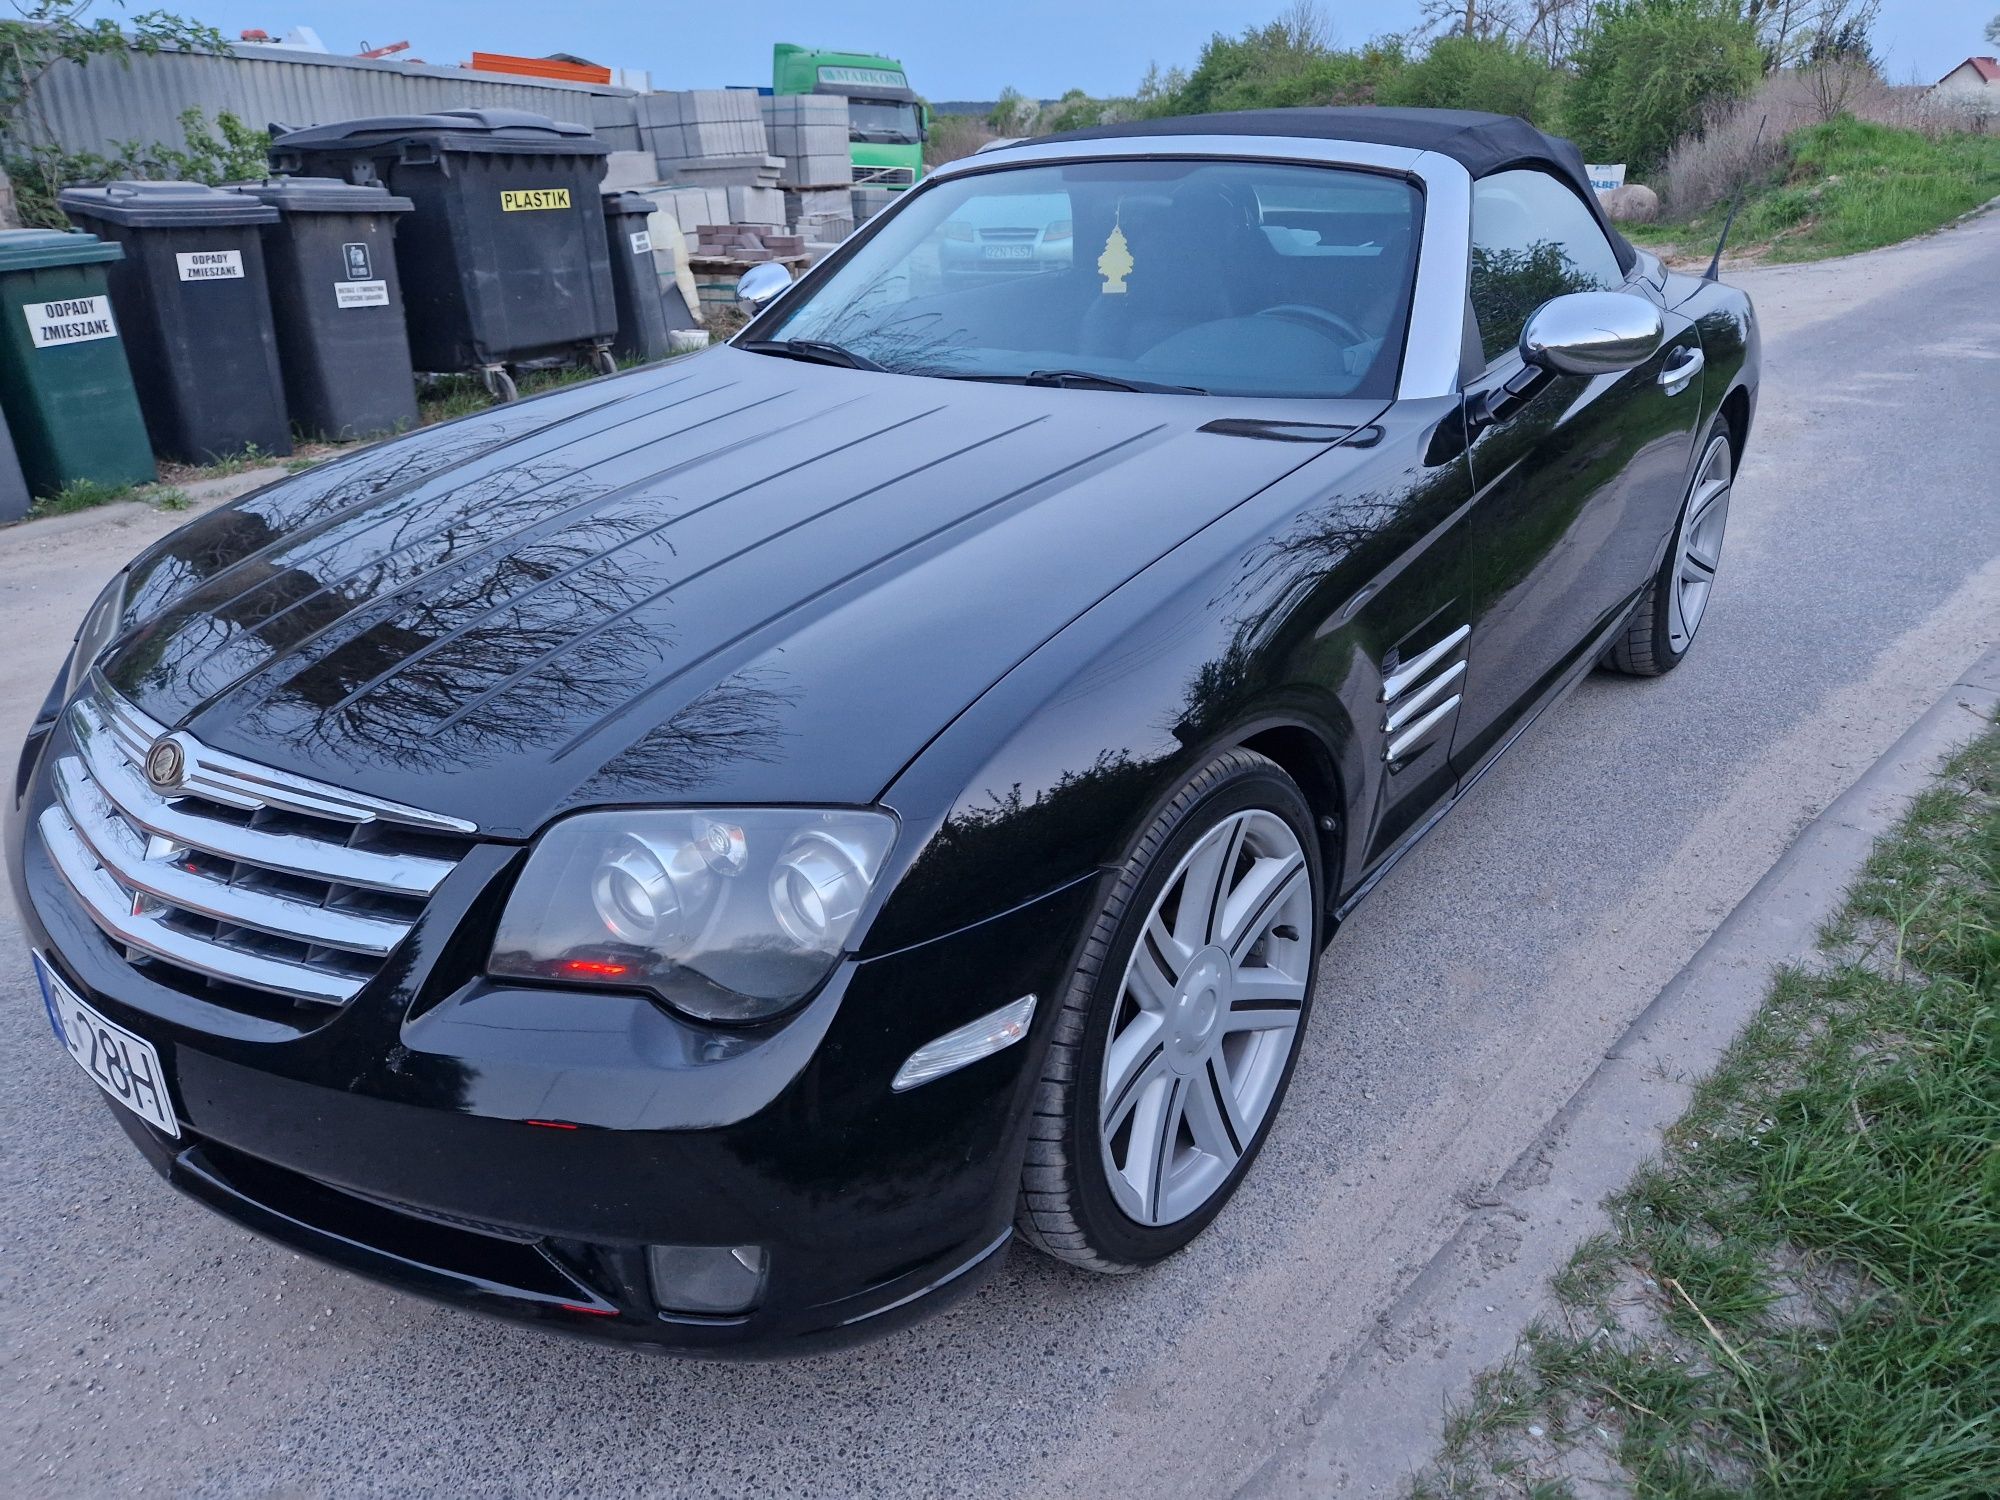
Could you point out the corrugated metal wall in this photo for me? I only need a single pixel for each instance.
(90, 107)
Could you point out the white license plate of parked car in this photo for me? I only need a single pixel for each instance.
(1009, 252)
(125, 1066)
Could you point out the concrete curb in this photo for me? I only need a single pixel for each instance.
(1379, 1417)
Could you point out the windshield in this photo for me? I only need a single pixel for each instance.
(1229, 277)
(880, 120)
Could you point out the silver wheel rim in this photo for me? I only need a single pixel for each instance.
(1207, 1015)
(1699, 548)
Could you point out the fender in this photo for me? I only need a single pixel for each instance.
(1267, 628)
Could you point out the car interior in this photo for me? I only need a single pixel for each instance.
(1243, 280)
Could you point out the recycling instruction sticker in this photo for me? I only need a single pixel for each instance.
(642, 243)
(361, 293)
(74, 320)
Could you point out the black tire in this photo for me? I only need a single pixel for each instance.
(1648, 648)
(1066, 1206)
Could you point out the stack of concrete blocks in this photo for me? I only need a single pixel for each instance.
(809, 132)
(629, 171)
(691, 207)
(746, 244)
(714, 138)
(870, 201)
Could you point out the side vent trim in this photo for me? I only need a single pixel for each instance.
(1420, 698)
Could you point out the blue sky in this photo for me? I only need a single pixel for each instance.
(953, 50)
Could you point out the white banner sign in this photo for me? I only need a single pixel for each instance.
(77, 320)
(210, 265)
(361, 293)
(1604, 179)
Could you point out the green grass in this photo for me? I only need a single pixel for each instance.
(87, 494)
(450, 396)
(1850, 186)
(1802, 1295)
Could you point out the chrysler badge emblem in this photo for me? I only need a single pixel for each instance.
(165, 763)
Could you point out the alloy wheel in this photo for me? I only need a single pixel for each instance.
(1206, 1018)
(1700, 544)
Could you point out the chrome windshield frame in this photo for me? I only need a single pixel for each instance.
(1433, 342)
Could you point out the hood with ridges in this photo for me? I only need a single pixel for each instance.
(733, 577)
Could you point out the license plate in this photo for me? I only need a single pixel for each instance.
(125, 1066)
(1010, 252)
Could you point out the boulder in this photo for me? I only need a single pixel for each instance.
(1634, 203)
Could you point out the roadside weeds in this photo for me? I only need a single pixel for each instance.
(1802, 1294)
(439, 400)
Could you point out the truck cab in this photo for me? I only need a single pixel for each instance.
(886, 122)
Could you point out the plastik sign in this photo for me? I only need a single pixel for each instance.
(74, 320)
(528, 200)
(1605, 179)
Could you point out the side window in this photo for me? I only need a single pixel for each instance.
(1531, 240)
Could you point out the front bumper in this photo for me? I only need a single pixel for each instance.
(516, 1150)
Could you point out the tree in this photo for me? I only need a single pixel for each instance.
(1650, 73)
(1460, 72)
(1993, 32)
(1795, 33)
(1014, 114)
(48, 33)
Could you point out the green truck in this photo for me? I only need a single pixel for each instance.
(886, 122)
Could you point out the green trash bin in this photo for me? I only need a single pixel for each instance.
(64, 383)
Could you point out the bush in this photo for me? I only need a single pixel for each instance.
(953, 136)
(1477, 73)
(1651, 71)
(1273, 67)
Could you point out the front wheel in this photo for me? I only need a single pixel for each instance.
(1671, 610)
(1180, 1024)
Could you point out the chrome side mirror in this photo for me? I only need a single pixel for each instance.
(762, 282)
(1592, 333)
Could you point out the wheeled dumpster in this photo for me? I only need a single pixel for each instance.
(635, 279)
(504, 258)
(337, 304)
(64, 381)
(196, 313)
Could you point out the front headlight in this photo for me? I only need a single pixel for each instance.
(99, 627)
(729, 914)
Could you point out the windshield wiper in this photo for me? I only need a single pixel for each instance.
(813, 351)
(1073, 379)
(1091, 380)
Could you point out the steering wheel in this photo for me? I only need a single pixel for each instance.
(1318, 319)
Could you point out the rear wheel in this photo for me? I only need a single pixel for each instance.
(1180, 1026)
(1664, 624)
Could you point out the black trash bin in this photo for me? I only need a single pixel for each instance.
(635, 280)
(504, 259)
(196, 314)
(338, 304)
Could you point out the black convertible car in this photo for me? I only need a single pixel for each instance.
(708, 856)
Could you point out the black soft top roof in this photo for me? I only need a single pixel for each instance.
(1482, 143)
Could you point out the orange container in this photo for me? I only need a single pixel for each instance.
(540, 67)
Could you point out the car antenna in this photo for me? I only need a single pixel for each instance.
(1715, 265)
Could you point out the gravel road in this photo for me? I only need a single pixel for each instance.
(148, 1344)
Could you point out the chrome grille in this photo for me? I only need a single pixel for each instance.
(237, 875)
(888, 177)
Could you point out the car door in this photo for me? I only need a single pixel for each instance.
(1577, 483)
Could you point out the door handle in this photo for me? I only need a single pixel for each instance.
(1675, 377)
